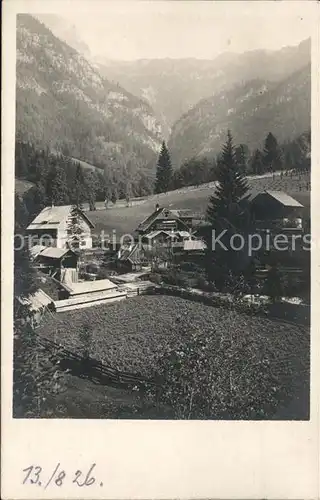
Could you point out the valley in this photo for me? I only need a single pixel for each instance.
(114, 114)
(154, 156)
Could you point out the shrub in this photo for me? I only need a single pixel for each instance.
(103, 273)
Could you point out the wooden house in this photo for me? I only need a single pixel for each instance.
(50, 228)
(275, 209)
(54, 259)
(164, 219)
(133, 258)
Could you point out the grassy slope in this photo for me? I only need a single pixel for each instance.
(132, 335)
(126, 219)
(86, 399)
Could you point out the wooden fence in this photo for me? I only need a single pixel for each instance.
(91, 368)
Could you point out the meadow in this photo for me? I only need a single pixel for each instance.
(123, 219)
(132, 336)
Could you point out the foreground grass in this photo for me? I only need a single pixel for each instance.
(132, 335)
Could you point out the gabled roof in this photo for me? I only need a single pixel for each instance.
(124, 254)
(54, 252)
(153, 234)
(135, 255)
(303, 197)
(51, 217)
(150, 219)
(175, 214)
(183, 234)
(284, 198)
(36, 250)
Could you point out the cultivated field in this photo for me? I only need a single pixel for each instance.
(123, 219)
(132, 335)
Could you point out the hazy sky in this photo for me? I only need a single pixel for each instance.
(177, 29)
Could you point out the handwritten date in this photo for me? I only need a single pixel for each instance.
(34, 474)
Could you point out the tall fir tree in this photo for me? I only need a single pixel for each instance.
(164, 172)
(272, 154)
(232, 186)
(256, 163)
(80, 192)
(35, 200)
(56, 187)
(91, 184)
(226, 214)
(242, 153)
(74, 228)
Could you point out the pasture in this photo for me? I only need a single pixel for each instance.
(123, 219)
(131, 336)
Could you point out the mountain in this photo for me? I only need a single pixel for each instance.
(66, 31)
(250, 110)
(62, 102)
(173, 86)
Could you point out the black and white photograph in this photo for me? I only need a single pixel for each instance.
(162, 222)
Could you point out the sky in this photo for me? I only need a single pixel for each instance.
(129, 30)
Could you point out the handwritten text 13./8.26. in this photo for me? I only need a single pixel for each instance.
(36, 475)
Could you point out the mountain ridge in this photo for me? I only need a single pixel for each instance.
(62, 102)
(173, 86)
(250, 110)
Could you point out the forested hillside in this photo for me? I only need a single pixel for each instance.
(66, 112)
(173, 86)
(250, 110)
(63, 103)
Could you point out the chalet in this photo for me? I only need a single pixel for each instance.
(275, 209)
(166, 238)
(133, 258)
(54, 260)
(154, 238)
(164, 219)
(303, 197)
(50, 228)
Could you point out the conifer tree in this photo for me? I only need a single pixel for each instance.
(74, 229)
(79, 187)
(164, 171)
(57, 189)
(256, 163)
(35, 200)
(241, 153)
(114, 195)
(91, 185)
(225, 214)
(232, 186)
(272, 155)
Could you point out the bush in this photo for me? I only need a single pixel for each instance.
(154, 277)
(103, 273)
(172, 277)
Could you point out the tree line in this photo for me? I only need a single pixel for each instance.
(294, 155)
(62, 180)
